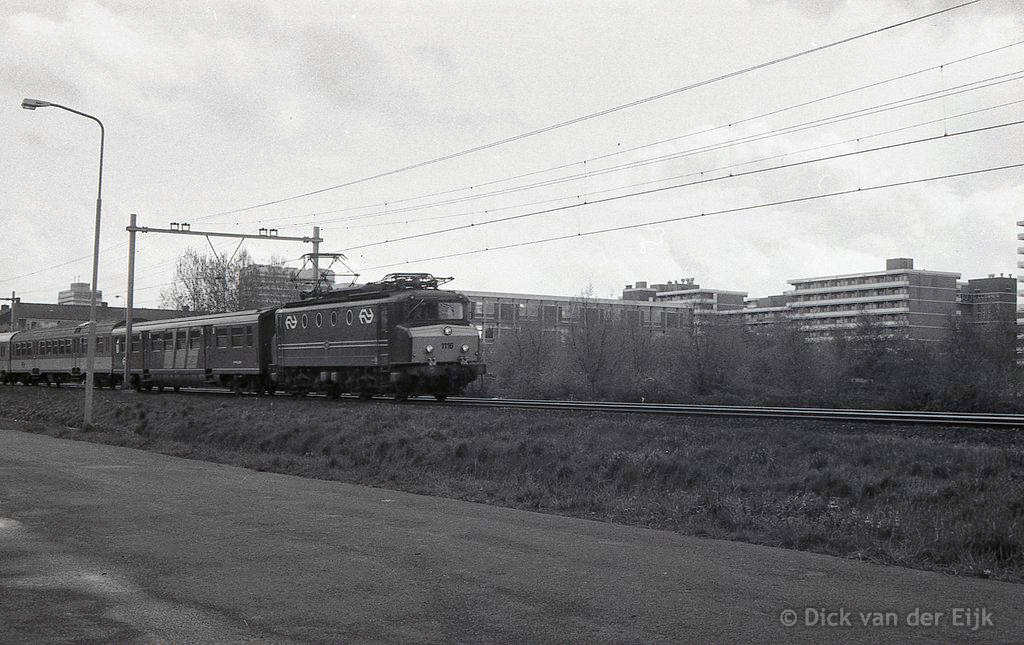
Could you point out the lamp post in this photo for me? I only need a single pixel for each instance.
(90, 361)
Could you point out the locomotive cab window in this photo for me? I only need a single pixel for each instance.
(429, 311)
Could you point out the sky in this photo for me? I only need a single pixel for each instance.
(214, 109)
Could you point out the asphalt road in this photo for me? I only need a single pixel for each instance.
(116, 545)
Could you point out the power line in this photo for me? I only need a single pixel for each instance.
(684, 185)
(760, 136)
(669, 220)
(689, 174)
(652, 143)
(600, 113)
(62, 264)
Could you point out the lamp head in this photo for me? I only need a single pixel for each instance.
(31, 104)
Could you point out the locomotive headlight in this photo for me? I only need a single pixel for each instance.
(465, 349)
(429, 349)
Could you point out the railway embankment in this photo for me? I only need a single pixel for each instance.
(947, 499)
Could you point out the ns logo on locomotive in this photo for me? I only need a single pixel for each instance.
(401, 336)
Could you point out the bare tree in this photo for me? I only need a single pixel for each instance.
(211, 283)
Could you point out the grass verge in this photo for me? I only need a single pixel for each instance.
(945, 499)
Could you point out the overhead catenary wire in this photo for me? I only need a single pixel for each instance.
(697, 173)
(842, 155)
(905, 102)
(618, 152)
(600, 113)
(669, 220)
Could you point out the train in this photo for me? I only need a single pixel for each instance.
(401, 336)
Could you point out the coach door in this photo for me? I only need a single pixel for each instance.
(194, 348)
(180, 348)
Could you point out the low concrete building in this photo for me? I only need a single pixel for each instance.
(685, 290)
(37, 315)
(495, 313)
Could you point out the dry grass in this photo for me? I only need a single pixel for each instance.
(946, 499)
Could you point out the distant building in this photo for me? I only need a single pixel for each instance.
(78, 294)
(989, 301)
(496, 313)
(685, 290)
(274, 285)
(904, 301)
(36, 315)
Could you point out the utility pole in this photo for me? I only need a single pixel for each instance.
(184, 228)
(316, 258)
(128, 305)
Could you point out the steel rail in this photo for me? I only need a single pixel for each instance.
(830, 414)
(683, 409)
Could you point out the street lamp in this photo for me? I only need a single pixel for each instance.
(90, 361)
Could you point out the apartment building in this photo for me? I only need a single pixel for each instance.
(901, 300)
(686, 291)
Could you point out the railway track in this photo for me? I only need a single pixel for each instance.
(824, 414)
(679, 409)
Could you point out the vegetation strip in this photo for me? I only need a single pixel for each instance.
(943, 498)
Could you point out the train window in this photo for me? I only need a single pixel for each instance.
(348, 317)
(248, 335)
(237, 339)
(101, 344)
(221, 335)
(156, 342)
(195, 337)
(168, 340)
(334, 318)
(319, 320)
(136, 342)
(179, 339)
(305, 321)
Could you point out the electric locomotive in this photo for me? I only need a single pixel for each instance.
(401, 336)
